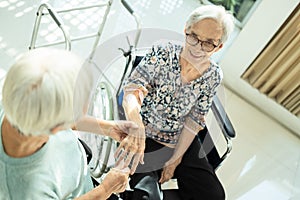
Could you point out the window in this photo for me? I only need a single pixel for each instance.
(241, 9)
(276, 71)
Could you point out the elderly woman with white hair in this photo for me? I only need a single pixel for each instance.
(168, 96)
(45, 93)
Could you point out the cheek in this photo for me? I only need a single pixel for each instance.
(189, 48)
(196, 48)
(186, 52)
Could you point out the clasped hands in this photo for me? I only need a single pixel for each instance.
(131, 149)
(131, 152)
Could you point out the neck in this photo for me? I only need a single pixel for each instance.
(17, 145)
(190, 72)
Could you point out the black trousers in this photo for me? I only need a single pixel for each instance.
(196, 178)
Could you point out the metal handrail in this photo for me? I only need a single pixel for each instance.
(91, 56)
(56, 19)
(137, 20)
(67, 39)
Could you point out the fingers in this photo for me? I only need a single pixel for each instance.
(128, 158)
(123, 170)
(166, 175)
(118, 151)
(120, 188)
(163, 177)
(131, 150)
(121, 178)
(123, 187)
(125, 159)
(142, 159)
(168, 171)
(120, 155)
(135, 162)
(126, 150)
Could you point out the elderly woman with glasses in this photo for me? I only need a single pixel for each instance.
(168, 96)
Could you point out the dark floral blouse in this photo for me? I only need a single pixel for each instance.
(167, 104)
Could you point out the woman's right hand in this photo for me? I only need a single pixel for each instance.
(131, 149)
(116, 180)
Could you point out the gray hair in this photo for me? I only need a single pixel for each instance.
(42, 91)
(217, 13)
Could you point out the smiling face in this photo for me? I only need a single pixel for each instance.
(208, 31)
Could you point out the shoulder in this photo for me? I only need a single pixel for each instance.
(64, 150)
(66, 137)
(216, 71)
(168, 46)
(65, 143)
(165, 52)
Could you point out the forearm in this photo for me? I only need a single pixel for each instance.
(185, 140)
(131, 149)
(98, 193)
(132, 109)
(94, 125)
(188, 133)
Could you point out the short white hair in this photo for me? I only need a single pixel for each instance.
(44, 89)
(218, 13)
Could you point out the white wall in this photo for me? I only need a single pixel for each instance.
(263, 24)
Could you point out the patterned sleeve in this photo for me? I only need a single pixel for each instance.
(141, 77)
(195, 119)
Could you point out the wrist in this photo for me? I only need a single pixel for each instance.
(141, 125)
(140, 131)
(175, 159)
(104, 191)
(98, 192)
(106, 126)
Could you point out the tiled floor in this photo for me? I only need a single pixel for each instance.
(264, 163)
(265, 160)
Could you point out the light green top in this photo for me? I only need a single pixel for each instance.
(57, 171)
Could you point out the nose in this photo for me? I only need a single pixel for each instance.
(199, 44)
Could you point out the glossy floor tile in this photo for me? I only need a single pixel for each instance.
(265, 161)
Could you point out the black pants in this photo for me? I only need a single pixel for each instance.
(196, 178)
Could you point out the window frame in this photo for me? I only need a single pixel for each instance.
(239, 24)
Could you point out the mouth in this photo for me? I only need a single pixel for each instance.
(196, 55)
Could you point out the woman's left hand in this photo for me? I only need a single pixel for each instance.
(120, 129)
(169, 169)
(117, 130)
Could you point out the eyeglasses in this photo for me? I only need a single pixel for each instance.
(193, 40)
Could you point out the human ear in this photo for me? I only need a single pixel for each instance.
(56, 129)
